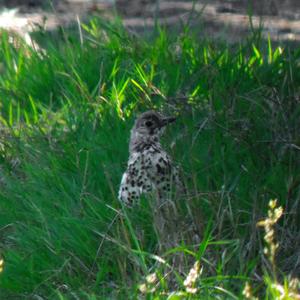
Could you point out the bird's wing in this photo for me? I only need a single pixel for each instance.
(129, 190)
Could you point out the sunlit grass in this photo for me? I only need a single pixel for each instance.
(66, 113)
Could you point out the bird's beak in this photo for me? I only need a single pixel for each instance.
(167, 120)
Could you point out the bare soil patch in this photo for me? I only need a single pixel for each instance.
(220, 19)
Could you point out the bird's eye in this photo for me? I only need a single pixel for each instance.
(148, 123)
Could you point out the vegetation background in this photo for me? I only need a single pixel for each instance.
(66, 113)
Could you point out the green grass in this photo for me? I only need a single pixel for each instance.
(66, 114)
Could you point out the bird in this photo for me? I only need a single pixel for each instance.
(150, 169)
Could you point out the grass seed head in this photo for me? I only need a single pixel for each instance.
(274, 213)
(150, 285)
(247, 292)
(1, 265)
(191, 279)
(151, 278)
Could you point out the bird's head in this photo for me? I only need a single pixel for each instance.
(151, 124)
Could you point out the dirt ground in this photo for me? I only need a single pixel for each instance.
(224, 19)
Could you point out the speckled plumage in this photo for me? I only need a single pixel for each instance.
(150, 168)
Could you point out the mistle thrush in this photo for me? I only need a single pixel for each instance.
(150, 168)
